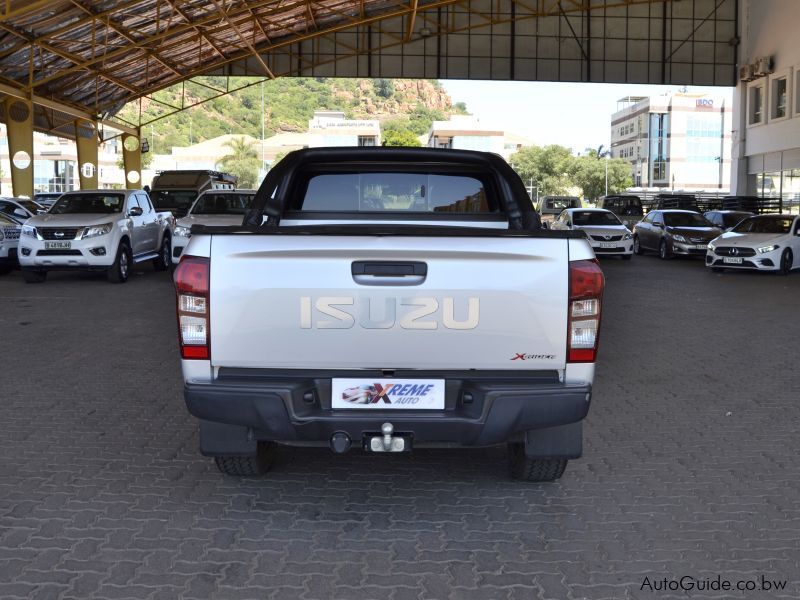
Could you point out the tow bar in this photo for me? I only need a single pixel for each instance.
(387, 442)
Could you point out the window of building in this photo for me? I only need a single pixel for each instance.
(755, 104)
(659, 170)
(366, 140)
(779, 91)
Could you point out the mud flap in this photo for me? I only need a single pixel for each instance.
(221, 439)
(562, 441)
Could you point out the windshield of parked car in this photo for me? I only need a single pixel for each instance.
(592, 217)
(686, 220)
(88, 204)
(765, 225)
(9, 208)
(390, 192)
(732, 219)
(30, 205)
(168, 199)
(222, 204)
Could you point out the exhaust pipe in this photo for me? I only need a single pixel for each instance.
(340, 442)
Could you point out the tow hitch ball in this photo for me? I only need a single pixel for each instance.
(387, 442)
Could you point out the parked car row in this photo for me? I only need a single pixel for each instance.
(756, 242)
(106, 230)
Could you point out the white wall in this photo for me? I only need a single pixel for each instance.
(768, 28)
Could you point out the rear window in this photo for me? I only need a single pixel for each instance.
(395, 192)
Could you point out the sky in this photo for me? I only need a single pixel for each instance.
(576, 115)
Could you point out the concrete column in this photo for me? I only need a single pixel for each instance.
(19, 122)
(87, 141)
(132, 160)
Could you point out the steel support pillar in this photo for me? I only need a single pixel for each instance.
(86, 140)
(19, 123)
(132, 160)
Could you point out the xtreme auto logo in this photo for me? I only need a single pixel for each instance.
(377, 392)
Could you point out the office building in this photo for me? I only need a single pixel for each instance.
(675, 141)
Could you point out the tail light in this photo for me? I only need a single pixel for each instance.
(191, 286)
(585, 298)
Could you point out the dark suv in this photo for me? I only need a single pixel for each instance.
(671, 232)
(627, 207)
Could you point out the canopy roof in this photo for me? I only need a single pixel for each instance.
(92, 56)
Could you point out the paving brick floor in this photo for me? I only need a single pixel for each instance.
(690, 466)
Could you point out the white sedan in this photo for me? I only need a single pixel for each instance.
(762, 243)
(605, 232)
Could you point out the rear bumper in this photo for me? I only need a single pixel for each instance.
(480, 409)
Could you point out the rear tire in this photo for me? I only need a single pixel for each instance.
(637, 246)
(663, 252)
(121, 269)
(248, 466)
(34, 276)
(533, 469)
(164, 260)
(786, 262)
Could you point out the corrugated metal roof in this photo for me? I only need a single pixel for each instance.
(96, 55)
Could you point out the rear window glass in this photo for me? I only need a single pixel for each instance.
(395, 192)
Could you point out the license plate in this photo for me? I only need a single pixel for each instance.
(57, 245)
(388, 394)
(732, 260)
(607, 245)
(701, 247)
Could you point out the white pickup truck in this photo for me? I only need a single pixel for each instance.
(100, 230)
(389, 299)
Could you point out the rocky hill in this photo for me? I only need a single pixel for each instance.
(288, 105)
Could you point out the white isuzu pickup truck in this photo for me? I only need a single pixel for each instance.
(389, 299)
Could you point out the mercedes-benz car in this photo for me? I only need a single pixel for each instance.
(607, 235)
(762, 243)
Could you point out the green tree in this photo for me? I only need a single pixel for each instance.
(384, 88)
(589, 173)
(242, 162)
(549, 167)
(399, 137)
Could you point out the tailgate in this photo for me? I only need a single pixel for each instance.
(482, 303)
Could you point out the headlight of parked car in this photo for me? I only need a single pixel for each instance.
(182, 231)
(679, 238)
(96, 230)
(711, 246)
(627, 236)
(765, 249)
(29, 230)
